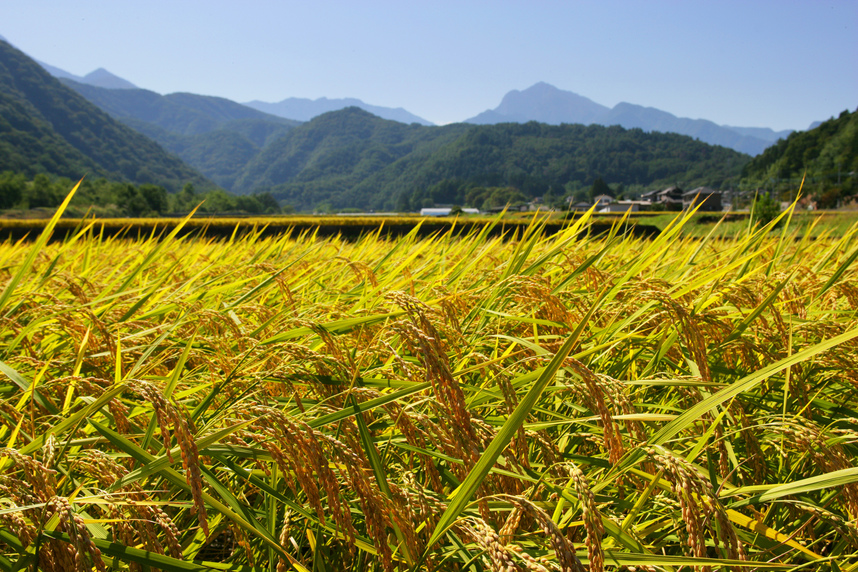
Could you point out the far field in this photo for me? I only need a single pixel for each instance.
(701, 225)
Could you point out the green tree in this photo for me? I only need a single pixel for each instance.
(600, 187)
(129, 199)
(155, 197)
(218, 201)
(549, 198)
(187, 198)
(765, 209)
(268, 202)
(42, 193)
(12, 188)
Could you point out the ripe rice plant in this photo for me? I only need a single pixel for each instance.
(457, 402)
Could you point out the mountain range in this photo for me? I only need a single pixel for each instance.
(541, 102)
(293, 108)
(216, 136)
(350, 158)
(545, 103)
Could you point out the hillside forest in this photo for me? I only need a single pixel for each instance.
(825, 157)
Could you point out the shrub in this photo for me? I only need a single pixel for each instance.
(765, 209)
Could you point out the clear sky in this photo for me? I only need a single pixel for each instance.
(761, 63)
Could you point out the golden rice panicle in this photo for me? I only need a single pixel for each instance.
(686, 487)
(595, 389)
(415, 436)
(161, 409)
(167, 415)
(530, 563)
(361, 271)
(94, 386)
(400, 508)
(592, 519)
(847, 531)
(169, 529)
(698, 504)
(49, 451)
(813, 441)
(293, 453)
(424, 340)
(424, 509)
(81, 541)
(38, 480)
(510, 525)
(23, 530)
(372, 503)
(484, 535)
(137, 514)
(563, 550)
(287, 542)
(300, 452)
(11, 417)
(101, 467)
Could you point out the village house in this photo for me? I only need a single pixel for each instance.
(602, 201)
(626, 206)
(580, 206)
(669, 199)
(708, 199)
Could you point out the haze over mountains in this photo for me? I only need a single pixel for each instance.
(100, 77)
(547, 104)
(304, 109)
(215, 135)
(541, 102)
(293, 108)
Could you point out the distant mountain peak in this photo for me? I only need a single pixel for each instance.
(99, 78)
(547, 104)
(103, 78)
(544, 103)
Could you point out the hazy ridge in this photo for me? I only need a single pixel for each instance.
(545, 103)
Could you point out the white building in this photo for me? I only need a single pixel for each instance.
(445, 211)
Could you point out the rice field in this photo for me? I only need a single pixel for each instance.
(535, 401)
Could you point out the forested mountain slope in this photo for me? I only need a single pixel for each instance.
(182, 113)
(47, 127)
(828, 154)
(214, 135)
(351, 158)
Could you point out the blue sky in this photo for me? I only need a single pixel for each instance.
(779, 64)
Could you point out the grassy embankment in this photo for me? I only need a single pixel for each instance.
(451, 403)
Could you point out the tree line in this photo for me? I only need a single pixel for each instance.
(119, 199)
